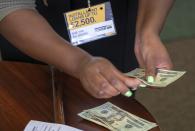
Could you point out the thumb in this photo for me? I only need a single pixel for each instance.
(129, 82)
(150, 73)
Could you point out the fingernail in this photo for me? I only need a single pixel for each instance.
(142, 85)
(150, 79)
(128, 94)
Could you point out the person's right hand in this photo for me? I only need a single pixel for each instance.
(102, 80)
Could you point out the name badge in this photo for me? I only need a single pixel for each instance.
(89, 24)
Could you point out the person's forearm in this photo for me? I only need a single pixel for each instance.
(151, 16)
(31, 33)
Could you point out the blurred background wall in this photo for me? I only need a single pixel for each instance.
(181, 21)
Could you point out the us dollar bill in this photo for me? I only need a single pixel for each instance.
(163, 77)
(90, 117)
(116, 119)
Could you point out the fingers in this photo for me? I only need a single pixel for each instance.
(166, 66)
(150, 74)
(115, 82)
(152, 70)
(132, 82)
(128, 81)
(112, 76)
(107, 88)
(99, 87)
(151, 55)
(121, 87)
(121, 82)
(102, 80)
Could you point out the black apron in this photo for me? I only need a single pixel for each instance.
(119, 49)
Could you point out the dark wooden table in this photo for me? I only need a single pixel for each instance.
(26, 94)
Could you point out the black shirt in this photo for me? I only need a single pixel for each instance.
(119, 49)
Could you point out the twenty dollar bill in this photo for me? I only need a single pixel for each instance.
(163, 77)
(116, 119)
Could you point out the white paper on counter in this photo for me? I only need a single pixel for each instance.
(45, 126)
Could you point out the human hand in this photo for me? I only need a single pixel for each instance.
(102, 80)
(151, 55)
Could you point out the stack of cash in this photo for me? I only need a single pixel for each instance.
(163, 77)
(116, 119)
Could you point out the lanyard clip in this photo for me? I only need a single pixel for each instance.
(89, 4)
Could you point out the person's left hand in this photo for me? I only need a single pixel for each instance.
(152, 54)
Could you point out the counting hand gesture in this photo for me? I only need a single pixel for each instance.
(102, 80)
(151, 55)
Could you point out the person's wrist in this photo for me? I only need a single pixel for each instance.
(143, 37)
(83, 61)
